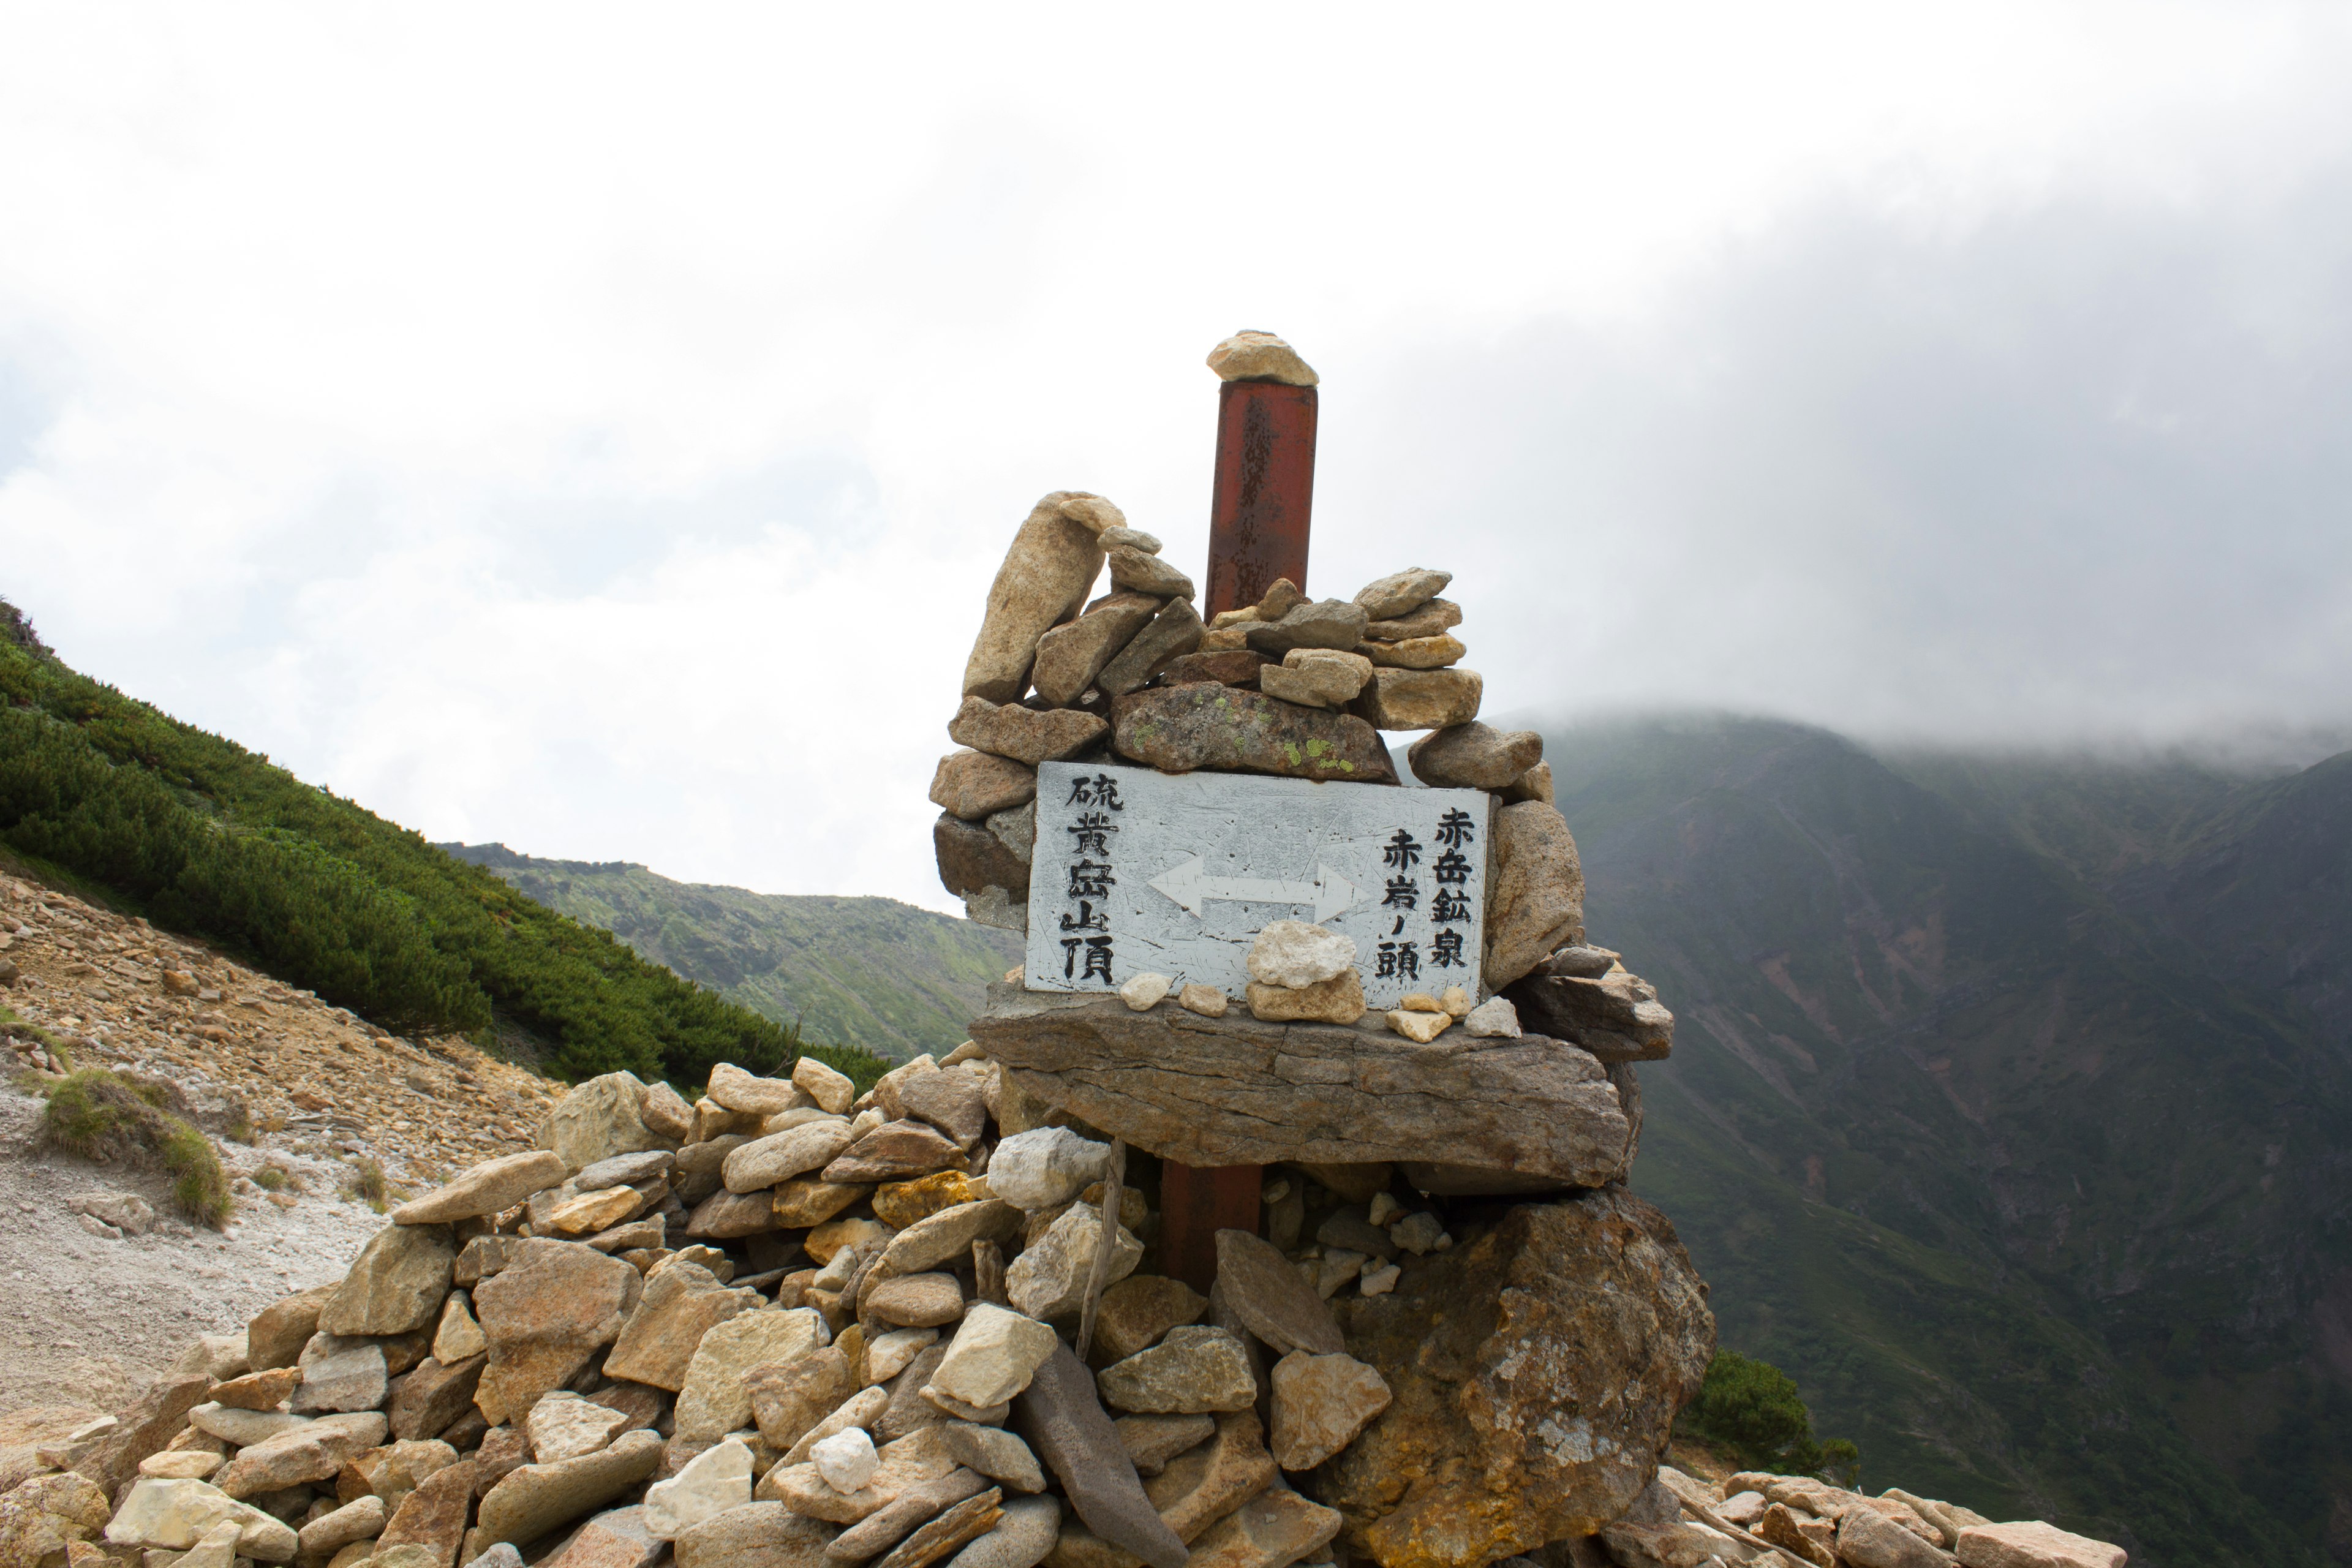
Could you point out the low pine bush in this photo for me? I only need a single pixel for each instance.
(1752, 1408)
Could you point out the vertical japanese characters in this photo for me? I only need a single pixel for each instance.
(1085, 928)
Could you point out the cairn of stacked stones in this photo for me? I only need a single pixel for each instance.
(947, 1321)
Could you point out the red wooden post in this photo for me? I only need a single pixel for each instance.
(1265, 491)
(1259, 510)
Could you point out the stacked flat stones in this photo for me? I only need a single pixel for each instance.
(787, 1324)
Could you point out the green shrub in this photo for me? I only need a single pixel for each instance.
(204, 837)
(270, 1178)
(1752, 1408)
(368, 1185)
(121, 1118)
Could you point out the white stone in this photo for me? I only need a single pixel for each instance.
(1456, 1001)
(2029, 1543)
(994, 1356)
(1493, 1019)
(1379, 1281)
(1206, 1000)
(1297, 954)
(125, 1211)
(1338, 1266)
(458, 1335)
(177, 1514)
(846, 1459)
(1146, 991)
(216, 1547)
(1260, 356)
(1045, 1166)
(710, 1483)
(1201, 863)
(1384, 1208)
(181, 1464)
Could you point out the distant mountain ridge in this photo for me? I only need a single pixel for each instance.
(867, 972)
(2011, 1109)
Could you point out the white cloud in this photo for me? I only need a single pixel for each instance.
(596, 430)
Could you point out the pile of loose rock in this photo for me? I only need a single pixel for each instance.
(1755, 1516)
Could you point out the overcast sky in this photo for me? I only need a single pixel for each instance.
(595, 428)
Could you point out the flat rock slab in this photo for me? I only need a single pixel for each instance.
(1235, 1091)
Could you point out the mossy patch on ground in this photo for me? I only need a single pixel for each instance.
(126, 1118)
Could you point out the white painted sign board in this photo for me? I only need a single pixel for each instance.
(1142, 872)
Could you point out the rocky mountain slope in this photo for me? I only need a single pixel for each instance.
(322, 1101)
(2007, 1111)
(871, 972)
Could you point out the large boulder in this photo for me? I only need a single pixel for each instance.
(1241, 1092)
(600, 1119)
(1536, 1370)
(543, 1318)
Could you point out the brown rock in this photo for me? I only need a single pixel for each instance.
(788, 1398)
(1338, 1000)
(433, 1516)
(1180, 729)
(1321, 1403)
(1433, 618)
(1235, 1091)
(714, 1402)
(1226, 667)
(901, 1204)
(1401, 593)
(1135, 1312)
(1200, 1487)
(257, 1390)
(45, 1519)
(1281, 597)
(915, 1300)
(1153, 1440)
(1813, 1540)
(1535, 1371)
(972, 858)
(534, 1499)
(725, 1216)
(895, 1151)
(1327, 622)
(954, 1101)
(666, 1114)
(424, 1404)
(154, 1418)
(1414, 653)
(599, 1118)
(1053, 562)
(780, 1156)
(951, 1531)
(313, 1452)
(1617, 1018)
(1270, 1529)
(1420, 699)
(682, 1302)
(278, 1331)
(490, 1188)
(543, 1319)
(1271, 1299)
(806, 1201)
(1316, 677)
(1024, 734)
(759, 1535)
(891, 1523)
(975, 786)
(1535, 901)
(1174, 632)
(1070, 656)
(950, 1234)
(397, 1283)
(1474, 756)
(1533, 784)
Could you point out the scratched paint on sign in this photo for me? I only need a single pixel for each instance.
(1136, 871)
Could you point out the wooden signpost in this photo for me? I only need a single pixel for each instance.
(1260, 506)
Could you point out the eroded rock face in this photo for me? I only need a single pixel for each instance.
(1535, 1371)
(1235, 1090)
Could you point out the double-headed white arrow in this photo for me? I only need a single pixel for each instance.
(1329, 892)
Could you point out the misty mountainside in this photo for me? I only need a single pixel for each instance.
(866, 972)
(2011, 1110)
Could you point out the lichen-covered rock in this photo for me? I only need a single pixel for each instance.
(1535, 1371)
(600, 1119)
(1180, 729)
(40, 1517)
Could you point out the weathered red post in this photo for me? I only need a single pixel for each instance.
(1259, 509)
